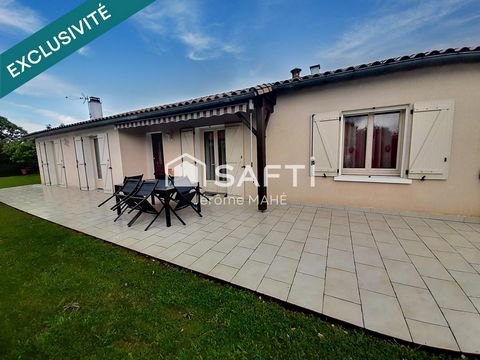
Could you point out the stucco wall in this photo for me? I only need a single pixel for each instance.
(70, 159)
(288, 140)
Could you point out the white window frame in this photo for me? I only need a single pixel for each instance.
(357, 173)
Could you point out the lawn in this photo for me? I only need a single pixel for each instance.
(10, 181)
(67, 295)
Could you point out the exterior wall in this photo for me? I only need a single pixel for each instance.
(69, 157)
(289, 130)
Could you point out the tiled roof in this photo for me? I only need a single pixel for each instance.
(264, 88)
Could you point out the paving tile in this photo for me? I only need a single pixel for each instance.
(432, 335)
(360, 228)
(207, 261)
(223, 272)
(343, 310)
(340, 242)
(476, 302)
(227, 244)
(437, 243)
(403, 273)
(449, 295)
(184, 260)
(470, 283)
(291, 249)
(465, 327)
(419, 304)
(342, 284)
(471, 255)
(430, 267)
(316, 246)
(453, 261)
(418, 248)
(359, 239)
(424, 230)
(282, 269)
(319, 232)
(312, 264)
(154, 250)
(241, 231)
(200, 247)
(340, 229)
(392, 252)
(342, 260)
(457, 240)
(218, 234)
(250, 274)
(251, 241)
(297, 235)
(374, 279)
(406, 234)
(274, 288)
(307, 291)
(265, 253)
(375, 306)
(174, 250)
(367, 255)
(282, 226)
(237, 257)
(275, 238)
(384, 236)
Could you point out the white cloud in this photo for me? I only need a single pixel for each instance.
(16, 16)
(180, 20)
(45, 85)
(394, 29)
(56, 117)
(85, 51)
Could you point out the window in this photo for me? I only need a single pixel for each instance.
(371, 143)
(97, 158)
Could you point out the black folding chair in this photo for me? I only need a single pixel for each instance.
(139, 201)
(185, 195)
(130, 184)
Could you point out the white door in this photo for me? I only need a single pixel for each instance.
(59, 163)
(44, 163)
(214, 151)
(234, 153)
(105, 167)
(81, 163)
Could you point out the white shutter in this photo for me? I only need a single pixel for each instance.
(187, 142)
(105, 162)
(60, 166)
(431, 140)
(45, 164)
(81, 164)
(234, 154)
(325, 143)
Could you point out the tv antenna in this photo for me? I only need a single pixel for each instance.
(94, 105)
(84, 97)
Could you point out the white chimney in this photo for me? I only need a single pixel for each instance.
(95, 107)
(315, 69)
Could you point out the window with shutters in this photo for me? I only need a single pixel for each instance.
(371, 142)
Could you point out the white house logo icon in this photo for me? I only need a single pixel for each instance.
(189, 166)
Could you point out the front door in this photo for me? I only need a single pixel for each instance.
(158, 161)
(215, 155)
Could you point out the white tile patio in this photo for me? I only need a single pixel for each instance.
(412, 278)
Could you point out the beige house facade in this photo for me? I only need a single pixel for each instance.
(401, 134)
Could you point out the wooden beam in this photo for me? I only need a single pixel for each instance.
(247, 123)
(260, 119)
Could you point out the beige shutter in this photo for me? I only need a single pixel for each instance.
(81, 163)
(431, 140)
(325, 143)
(187, 142)
(105, 163)
(42, 147)
(59, 163)
(234, 154)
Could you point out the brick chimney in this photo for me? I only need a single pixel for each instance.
(296, 73)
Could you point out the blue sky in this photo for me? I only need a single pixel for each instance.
(179, 49)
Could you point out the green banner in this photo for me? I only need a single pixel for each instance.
(61, 38)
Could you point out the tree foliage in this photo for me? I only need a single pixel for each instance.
(14, 146)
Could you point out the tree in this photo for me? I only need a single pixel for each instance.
(15, 147)
(9, 131)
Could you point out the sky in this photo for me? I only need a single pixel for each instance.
(180, 49)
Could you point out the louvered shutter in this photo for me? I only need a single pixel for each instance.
(431, 140)
(105, 164)
(81, 164)
(325, 143)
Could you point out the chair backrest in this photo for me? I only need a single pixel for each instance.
(130, 186)
(134, 177)
(183, 184)
(146, 188)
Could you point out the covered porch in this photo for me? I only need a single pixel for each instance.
(411, 278)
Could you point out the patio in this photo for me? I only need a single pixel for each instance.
(411, 278)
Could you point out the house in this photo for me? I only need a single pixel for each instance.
(400, 134)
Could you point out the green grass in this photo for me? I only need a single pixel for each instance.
(132, 306)
(11, 181)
